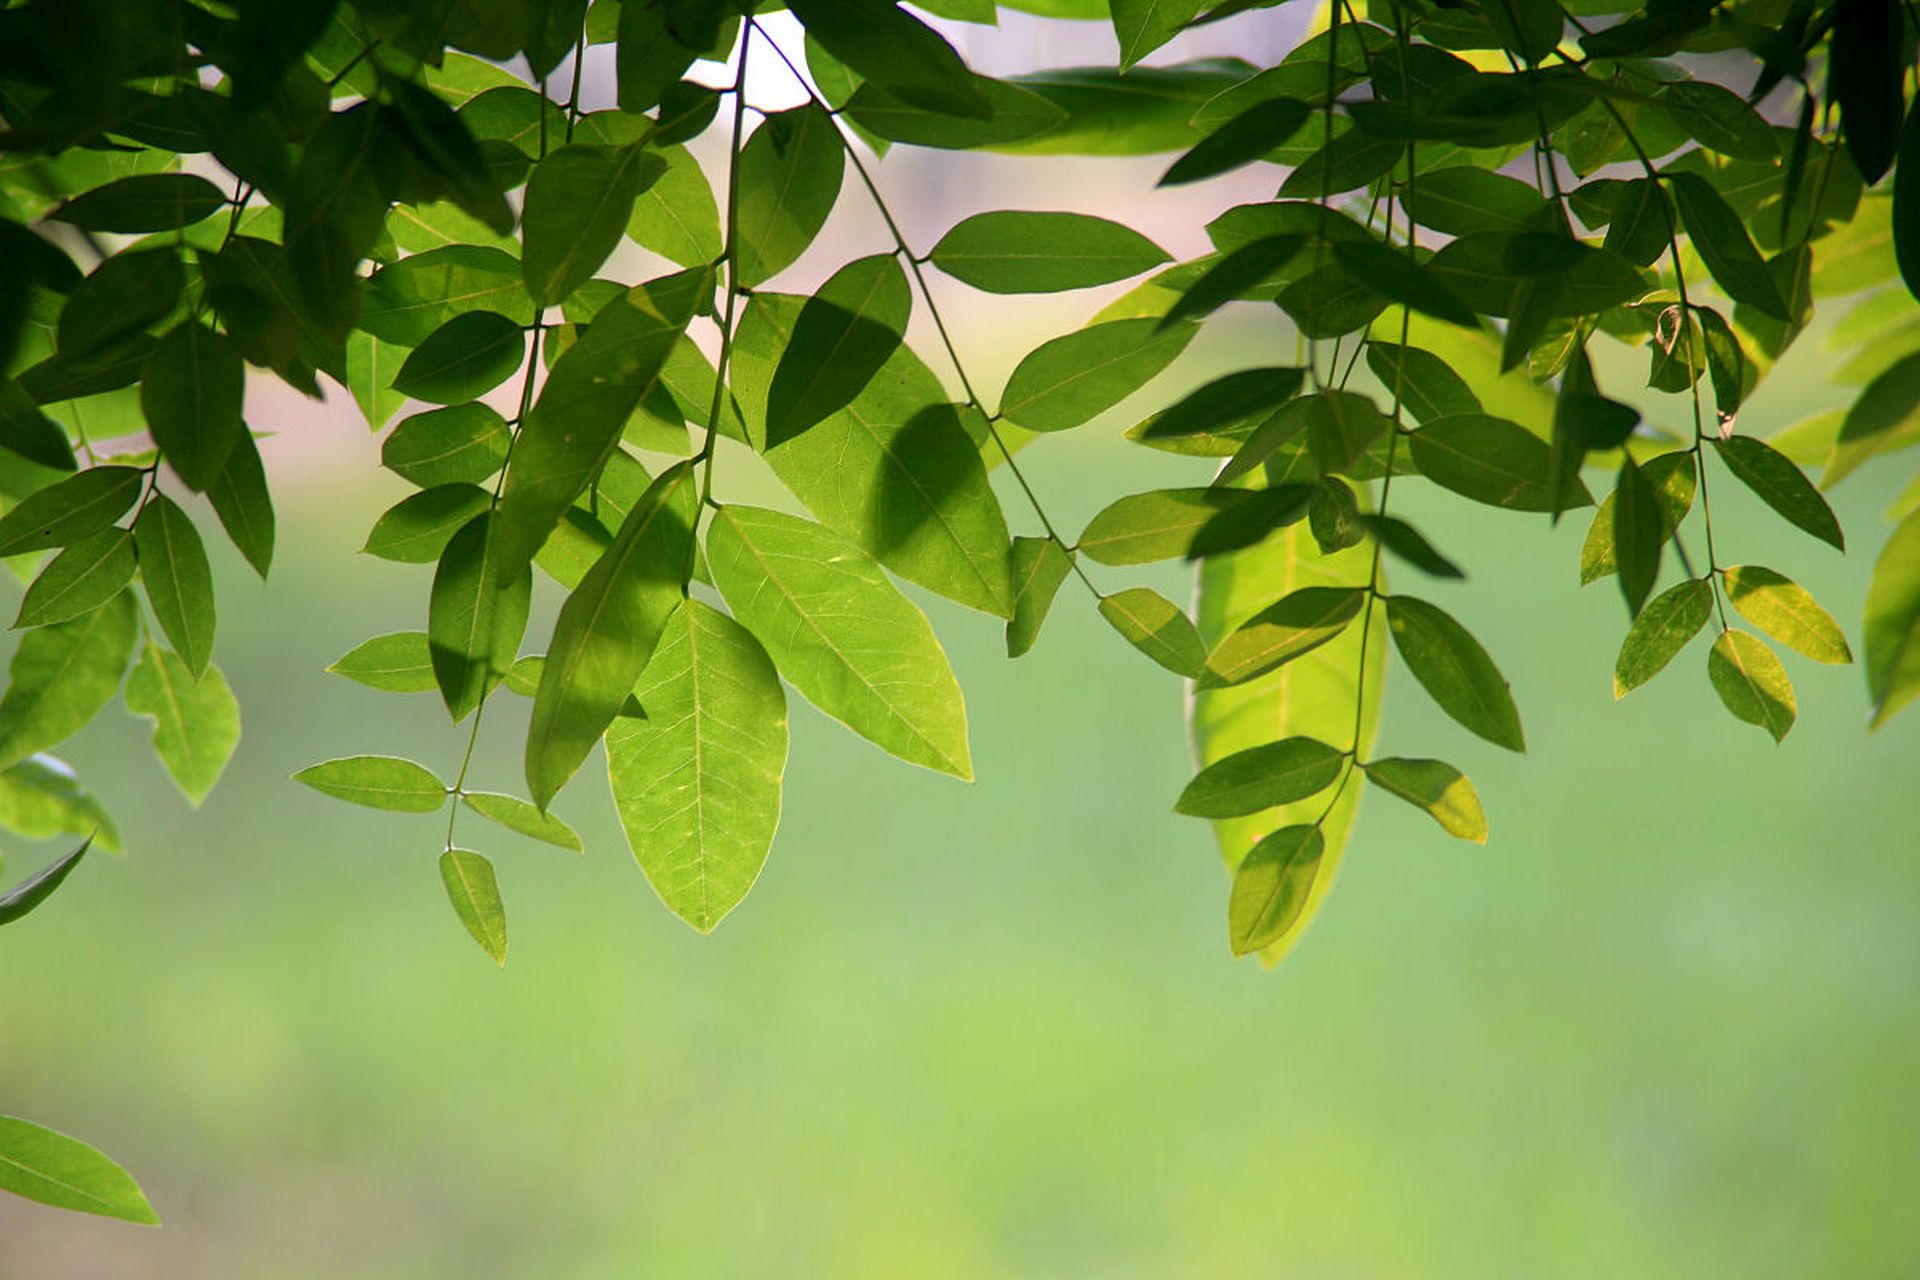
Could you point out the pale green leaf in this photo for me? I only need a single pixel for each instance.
(196, 721)
(475, 896)
(50, 1167)
(379, 782)
(1751, 682)
(1437, 787)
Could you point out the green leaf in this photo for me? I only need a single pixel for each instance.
(1016, 115)
(842, 337)
(1906, 200)
(1221, 410)
(1488, 459)
(1450, 664)
(1643, 223)
(121, 297)
(179, 582)
(54, 1169)
(1333, 515)
(1273, 773)
(1866, 75)
(1158, 525)
(1663, 628)
(1425, 385)
(245, 508)
(460, 444)
(1437, 787)
(62, 675)
(416, 529)
(1040, 565)
(1140, 112)
(1273, 887)
(1313, 696)
(1069, 379)
(676, 216)
(41, 797)
(30, 433)
(474, 620)
(408, 300)
(1156, 627)
(397, 663)
(1893, 622)
(1751, 682)
(1722, 242)
(789, 173)
(1786, 611)
(1884, 418)
(1672, 478)
(1398, 278)
(196, 719)
(1246, 137)
(516, 814)
(576, 423)
(1464, 199)
(143, 202)
(1297, 623)
(1251, 520)
(475, 896)
(608, 628)
(578, 201)
(1782, 486)
(697, 784)
(24, 897)
(1017, 252)
(1531, 28)
(1720, 120)
(466, 357)
(379, 782)
(83, 577)
(69, 510)
(841, 634)
(890, 47)
(1639, 533)
(190, 391)
(1144, 25)
(1401, 539)
(1234, 278)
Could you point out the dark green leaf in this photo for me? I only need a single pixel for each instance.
(1228, 406)
(1422, 382)
(474, 619)
(179, 582)
(1866, 75)
(578, 202)
(842, 337)
(1245, 138)
(1720, 120)
(1297, 623)
(1155, 625)
(1488, 459)
(893, 49)
(143, 202)
(1250, 520)
(1016, 115)
(1437, 787)
(1643, 224)
(1639, 532)
(1663, 628)
(1751, 682)
(28, 432)
(1272, 886)
(789, 175)
(379, 782)
(15, 903)
(1722, 241)
(1464, 199)
(466, 357)
(191, 391)
(122, 296)
(1231, 278)
(416, 295)
(83, 577)
(1018, 252)
(1261, 777)
(1403, 540)
(1672, 478)
(475, 896)
(1885, 417)
(1396, 277)
(1039, 567)
(1782, 486)
(1450, 664)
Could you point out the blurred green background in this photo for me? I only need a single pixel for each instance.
(1664, 1024)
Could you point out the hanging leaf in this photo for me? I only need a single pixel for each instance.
(841, 634)
(890, 47)
(1420, 381)
(1885, 417)
(475, 896)
(1639, 533)
(70, 510)
(1245, 138)
(1398, 278)
(1672, 477)
(1450, 664)
(516, 814)
(698, 782)
(474, 621)
(789, 174)
(1786, 611)
(416, 529)
(1158, 525)
(1272, 887)
(1398, 538)
(578, 202)
(460, 444)
(1039, 567)
(61, 675)
(1664, 627)
(1067, 380)
(466, 357)
(842, 337)
(1751, 682)
(1782, 486)
(1893, 622)
(1437, 787)
(1297, 623)
(50, 1167)
(1490, 460)
(245, 508)
(191, 391)
(1156, 627)
(179, 582)
(143, 202)
(83, 577)
(1261, 777)
(1015, 252)
(379, 782)
(17, 902)
(196, 719)
(397, 663)
(1721, 240)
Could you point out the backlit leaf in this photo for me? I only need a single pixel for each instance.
(1663, 628)
(474, 620)
(1272, 887)
(191, 393)
(1016, 252)
(1893, 622)
(179, 582)
(1450, 664)
(1786, 611)
(578, 202)
(1297, 623)
(460, 444)
(416, 529)
(1155, 625)
(1069, 379)
(196, 719)
(1039, 567)
(516, 814)
(1260, 777)
(842, 337)
(1441, 790)
(789, 175)
(84, 576)
(475, 895)
(1488, 459)
(50, 1167)
(61, 675)
(1782, 486)
(379, 782)
(1158, 525)
(466, 357)
(1751, 682)
(398, 663)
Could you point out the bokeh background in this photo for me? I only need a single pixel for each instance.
(1666, 1023)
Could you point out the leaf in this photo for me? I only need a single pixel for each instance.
(1040, 565)
(516, 814)
(1156, 627)
(416, 529)
(1143, 111)
(578, 201)
(1722, 242)
(698, 783)
(1906, 200)
(69, 510)
(1893, 622)
(1639, 533)
(1158, 525)
(1437, 787)
(676, 216)
(1786, 611)
(460, 444)
(1144, 25)
(1751, 682)
(81, 578)
(1233, 278)
(30, 433)
(789, 174)
(1246, 137)
(474, 621)
(1401, 539)
(1884, 418)
(1450, 664)
(121, 297)
(890, 47)
(196, 719)
(1257, 778)
(61, 675)
(142, 202)
(1488, 459)
(17, 902)
(841, 634)
(1462, 200)
(1782, 486)
(397, 663)
(466, 357)
(842, 337)
(1663, 628)
(1720, 120)
(1672, 478)
(475, 896)
(1424, 384)
(41, 797)
(245, 508)
(1018, 252)
(1398, 278)
(1297, 623)
(379, 782)
(1272, 887)
(190, 391)
(1222, 408)
(54, 1169)
(1069, 379)
(608, 628)
(1016, 115)
(1333, 516)
(1866, 75)
(575, 425)
(408, 300)
(1251, 520)
(179, 582)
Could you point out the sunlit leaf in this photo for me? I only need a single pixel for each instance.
(1260, 777)
(1751, 682)
(50, 1167)
(196, 718)
(379, 782)
(1664, 627)
(1450, 664)
(1442, 791)
(1786, 611)
(475, 895)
